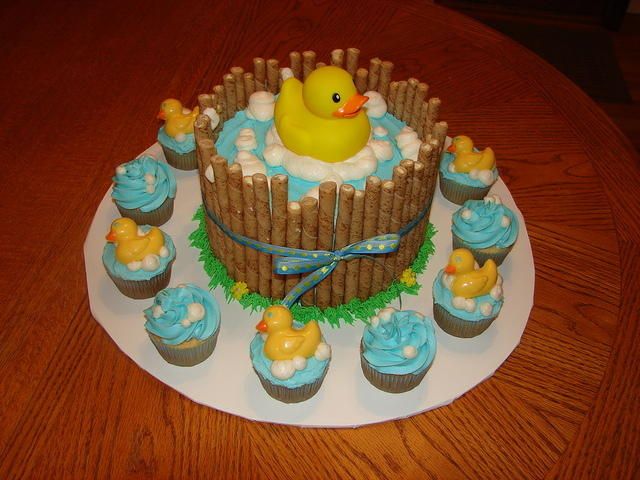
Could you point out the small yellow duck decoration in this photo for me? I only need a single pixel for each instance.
(465, 157)
(285, 342)
(469, 282)
(324, 117)
(131, 244)
(178, 120)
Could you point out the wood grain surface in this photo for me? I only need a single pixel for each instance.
(80, 86)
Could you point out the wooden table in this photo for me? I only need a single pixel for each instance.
(80, 88)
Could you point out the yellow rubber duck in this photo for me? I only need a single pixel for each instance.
(130, 246)
(324, 117)
(177, 120)
(466, 159)
(469, 282)
(283, 341)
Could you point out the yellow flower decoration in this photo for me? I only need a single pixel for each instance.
(239, 290)
(408, 277)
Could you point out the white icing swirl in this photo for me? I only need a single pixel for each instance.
(261, 106)
(376, 107)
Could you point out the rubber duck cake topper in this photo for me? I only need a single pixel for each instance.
(324, 117)
(467, 159)
(136, 248)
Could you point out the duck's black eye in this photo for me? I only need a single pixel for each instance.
(336, 98)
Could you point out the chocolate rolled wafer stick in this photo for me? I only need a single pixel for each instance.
(337, 57)
(416, 112)
(220, 173)
(251, 231)
(406, 213)
(385, 78)
(371, 210)
(279, 200)
(384, 220)
(400, 184)
(353, 54)
(260, 73)
(219, 246)
(263, 216)
(374, 73)
(412, 85)
(440, 133)
(308, 63)
(273, 74)
(392, 98)
(230, 92)
(249, 85)
(237, 220)
(295, 62)
(355, 235)
(414, 236)
(241, 100)
(294, 230)
(326, 215)
(220, 99)
(205, 101)
(309, 236)
(343, 224)
(400, 98)
(432, 116)
(421, 128)
(361, 80)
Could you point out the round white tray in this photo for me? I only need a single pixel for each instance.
(226, 380)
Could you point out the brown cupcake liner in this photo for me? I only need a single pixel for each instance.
(292, 395)
(156, 217)
(457, 193)
(459, 327)
(497, 254)
(141, 289)
(388, 382)
(186, 355)
(181, 161)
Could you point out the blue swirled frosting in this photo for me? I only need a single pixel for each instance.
(174, 303)
(383, 344)
(188, 145)
(484, 228)
(444, 297)
(120, 270)
(462, 178)
(315, 368)
(130, 188)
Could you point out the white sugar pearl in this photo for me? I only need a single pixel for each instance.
(141, 232)
(499, 280)
(386, 313)
(213, 116)
(282, 369)
(323, 352)
(134, 266)
(164, 252)
(447, 280)
(451, 168)
(180, 137)
(181, 285)
(149, 178)
(157, 311)
(374, 321)
(473, 173)
(208, 173)
(195, 312)
(486, 309)
(185, 323)
(121, 170)
(496, 292)
(299, 363)
(409, 351)
(486, 177)
(458, 303)
(505, 222)
(286, 73)
(466, 214)
(150, 263)
(150, 189)
(470, 305)
(264, 336)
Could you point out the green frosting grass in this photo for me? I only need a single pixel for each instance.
(356, 309)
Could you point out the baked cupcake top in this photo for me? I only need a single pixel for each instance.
(183, 313)
(399, 342)
(467, 165)
(485, 223)
(143, 183)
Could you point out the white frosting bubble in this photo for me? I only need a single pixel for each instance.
(185, 323)
(163, 252)
(323, 352)
(282, 369)
(149, 178)
(470, 305)
(195, 312)
(458, 303)
(451, 168)
(409, 143)
(375, 107)
(496, 292)
(180, 137)
(246, 140)
(250, 163)
(213, 116)
(374, 321)
(505, 221)
(134, 266)
(121, 170)
(466, 214)
(381, 149)
(485, 176)
(261, 106)
(150, 263)
(486, 309)
(380, 131)
(409, 351)
(150, 188)
(299, 363)
(157, 311)
(274, 154)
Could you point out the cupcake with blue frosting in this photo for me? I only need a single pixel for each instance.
(467, 298)
(138, 259)
(144, 190)
(176, 135)
(486, 227)
(291, 360)
(183, 323)
(466, 172)
(397, 349)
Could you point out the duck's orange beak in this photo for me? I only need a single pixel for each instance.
(161, 115)
(452, 148)
(111, 236)
(262, 326)
(450, 269)
(352, 107)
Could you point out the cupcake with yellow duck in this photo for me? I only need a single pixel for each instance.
(138, 258)
(467, 172)
(467, 298)
(291, 360)
(176, 135)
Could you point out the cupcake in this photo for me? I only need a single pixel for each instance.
(290, 360)
(486, 227)
(138, 259)
(183, 324)
(397, 349)
(466, 299)
(176, 135)
(143, 190)
(465, 172)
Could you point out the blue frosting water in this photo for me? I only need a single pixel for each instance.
(383, 344)
(188, 145)
(463, 178)
(120, 270)
(484, 228)
(444, 297)
(297, 186)
(314, 369)
(130, 188)
(174, 303)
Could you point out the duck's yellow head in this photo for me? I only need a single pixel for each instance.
(329, 92)
(169, 107)
(121, 229)
(274, 318)
(461, 144)
(460, 261)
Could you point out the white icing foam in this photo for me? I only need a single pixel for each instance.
(261, 106)
(250, 163)
(375, 107)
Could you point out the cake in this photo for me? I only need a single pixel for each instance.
(397, 349)
(138, 259)
(183, 324)
(467, 298)
(486, 227)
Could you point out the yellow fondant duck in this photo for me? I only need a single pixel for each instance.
(324, 117)
(466, 159)
(177, 119)
(283, 341)
(469, 282)
(130, 245)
